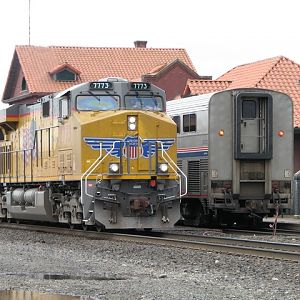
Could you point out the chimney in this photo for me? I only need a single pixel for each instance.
(140, 44)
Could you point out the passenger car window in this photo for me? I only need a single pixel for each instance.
(249, 109)
(189, 123)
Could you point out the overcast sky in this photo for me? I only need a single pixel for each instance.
(217, 34)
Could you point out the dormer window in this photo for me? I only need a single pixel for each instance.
(65, 75)
(24, 85)
(65, 72)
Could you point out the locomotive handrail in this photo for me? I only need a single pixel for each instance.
(87, 173)
(93, 166)
(175, 170)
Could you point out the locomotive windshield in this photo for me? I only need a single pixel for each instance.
(144, 103)
(97, 102)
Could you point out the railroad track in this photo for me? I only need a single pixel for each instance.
(265, 231)
(265, 249)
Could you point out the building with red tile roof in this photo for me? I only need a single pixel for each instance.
(278, 73)
(36, 71)
(198, 87)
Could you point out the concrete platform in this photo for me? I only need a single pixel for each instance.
(284, 220)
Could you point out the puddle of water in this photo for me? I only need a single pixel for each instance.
(51, 276)
(74, 277)
(29, 295)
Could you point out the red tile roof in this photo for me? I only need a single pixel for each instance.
(63, 67)
(278, 73)
(197, 87)
(249, 75)
(92, 63)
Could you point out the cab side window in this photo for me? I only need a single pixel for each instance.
(64, 108)
(46, 109)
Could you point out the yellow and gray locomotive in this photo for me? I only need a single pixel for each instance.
(100, 153)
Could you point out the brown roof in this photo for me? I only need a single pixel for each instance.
(197, 87)
(278, 73)
(92, 63)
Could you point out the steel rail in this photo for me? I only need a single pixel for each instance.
(165, 241)
(266, 231)
(289, 247)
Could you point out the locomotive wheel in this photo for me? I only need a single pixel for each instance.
(72, 226)
(99, 227)
(193, 213)
(85, 227)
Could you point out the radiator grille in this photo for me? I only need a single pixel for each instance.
(197, 176)
(194, 176)
(179, 164)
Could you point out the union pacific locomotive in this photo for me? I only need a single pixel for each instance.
(100, 153)
(236, 148)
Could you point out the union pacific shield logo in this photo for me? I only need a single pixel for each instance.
(130, 146)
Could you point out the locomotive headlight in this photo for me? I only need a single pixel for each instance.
(114, 168)
(163, 167)
(132, 122)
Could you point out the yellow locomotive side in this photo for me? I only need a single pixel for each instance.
(85, 156)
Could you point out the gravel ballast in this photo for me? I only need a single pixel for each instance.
(56, 264)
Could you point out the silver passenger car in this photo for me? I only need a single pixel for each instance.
(236, 148)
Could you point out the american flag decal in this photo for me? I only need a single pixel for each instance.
(130, 147)
(28, 141)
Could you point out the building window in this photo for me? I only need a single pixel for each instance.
(176, 119)
(24, 84)
(65, 75)
(189, 123)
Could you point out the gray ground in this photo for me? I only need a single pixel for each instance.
(115, 270)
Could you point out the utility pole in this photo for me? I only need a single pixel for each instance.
(29, 22)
